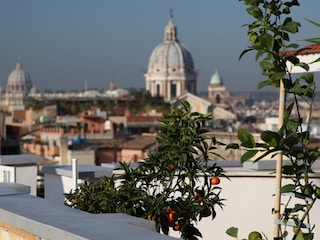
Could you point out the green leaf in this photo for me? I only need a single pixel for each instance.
(300, 236)
(252, 36)
(298, 207)
(292, 125)
(232, 146)
(232, 232)
(292, 3)
(246, 138)
(305, 66)
(264, 84)
(288, 170)
(308, 236)
(266, 153)
(244, 52)
(255, 12)
(287, 188)
(293, 59)
(313, 40)
(272, 138)
(186, 105)
(259, 54)
(277, 75)
(266, 41)
(290, 141)
(291, 26)
(293, 45)
(248, 155)
(313, 22)
(266, 64)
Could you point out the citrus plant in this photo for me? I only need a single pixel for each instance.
(269, 38)
(175, 186)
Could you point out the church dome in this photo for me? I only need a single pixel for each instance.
(170, 55)
(171, 70)
(19, 81)
(216, 79)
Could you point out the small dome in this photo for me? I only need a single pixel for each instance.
(216, 79)
(19, 81)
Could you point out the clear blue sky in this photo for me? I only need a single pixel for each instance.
(63, 43)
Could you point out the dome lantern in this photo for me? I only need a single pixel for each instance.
(170, 31)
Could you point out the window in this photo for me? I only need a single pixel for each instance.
(158, 89)
(173, 92)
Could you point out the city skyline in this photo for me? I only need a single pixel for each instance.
(65, 45)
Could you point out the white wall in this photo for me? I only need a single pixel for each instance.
(55, 186)
(23, 174)
(248, 205)
(27, 175)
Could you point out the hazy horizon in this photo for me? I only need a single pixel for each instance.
(63, 44)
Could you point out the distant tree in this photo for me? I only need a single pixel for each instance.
(33, 103)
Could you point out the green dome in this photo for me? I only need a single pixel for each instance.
(216, 78)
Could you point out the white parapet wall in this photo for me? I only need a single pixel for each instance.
(28, 217)
(58, 180)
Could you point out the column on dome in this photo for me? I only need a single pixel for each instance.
(149, 87)
(179, 90)
(182, 87)
(164, 90)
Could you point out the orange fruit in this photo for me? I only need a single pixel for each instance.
(172, 217)
(173, 214)
(171, 223)
(170, 165)
(214, 180)
(176, 227)
(168, 210)
(198, 197)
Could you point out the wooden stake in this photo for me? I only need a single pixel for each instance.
(278, 181)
